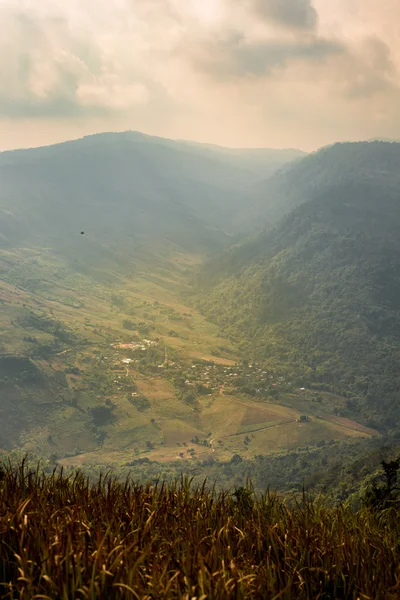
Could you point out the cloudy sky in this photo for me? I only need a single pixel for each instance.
(271, 73)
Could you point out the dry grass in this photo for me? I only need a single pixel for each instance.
(155, 388)
(218, 360)
(350, 424)
(63, 538)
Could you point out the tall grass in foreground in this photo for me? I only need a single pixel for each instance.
(64, 538)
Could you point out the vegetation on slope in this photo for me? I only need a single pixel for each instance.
(128, 192)
(303, 180)
(311, 304)
(320, 291)
(338, 471)
(70, 327)
(63, 538)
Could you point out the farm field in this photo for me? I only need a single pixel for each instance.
(227, 424)
(123, 368)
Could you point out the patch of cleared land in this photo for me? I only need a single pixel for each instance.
(94, 314)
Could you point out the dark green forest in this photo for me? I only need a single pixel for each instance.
(320, 290)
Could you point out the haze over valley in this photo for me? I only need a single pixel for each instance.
(199, 299)
(166, 303)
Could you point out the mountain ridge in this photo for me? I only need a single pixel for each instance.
(320, 287)
(298, 181)
(160, 189)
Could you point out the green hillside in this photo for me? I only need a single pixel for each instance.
(320, 291)
(293, 345)
(97, 237)
(127, 192)
(300, 181)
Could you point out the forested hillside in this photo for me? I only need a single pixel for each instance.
(302, 180)
(125, 191)
(293, 346)
(97, 238)
(321, 290)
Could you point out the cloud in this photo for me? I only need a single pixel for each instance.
(49, 69)
(234, 56)
(372, 72)
(297, 14)
(236, 72)
(40, 73)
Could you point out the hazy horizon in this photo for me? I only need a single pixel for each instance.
(244, 74)
(192, 141)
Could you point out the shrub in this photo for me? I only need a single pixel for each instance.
(101, 415)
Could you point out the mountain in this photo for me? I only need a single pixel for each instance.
(320, 289)
(96, 239)
(302, 180)
(104, 359)
(384, 139)
(125, 191)
(263, 162)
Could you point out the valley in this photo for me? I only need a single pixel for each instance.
(150, 330)
(199, 333)
(130, 371)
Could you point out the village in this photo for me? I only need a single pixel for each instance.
(205, 376)
(165, 406)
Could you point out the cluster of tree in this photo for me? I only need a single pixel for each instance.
(339, 471)
(49, 325)
(139, 402)
(319, 292)
(102, 415)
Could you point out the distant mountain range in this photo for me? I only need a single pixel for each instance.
(384, 139)
(315, 284)
(126, 190)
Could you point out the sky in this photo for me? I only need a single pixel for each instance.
(240, 73)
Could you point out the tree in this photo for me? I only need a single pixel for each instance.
(101, 415)
(236, 459)
(244, 501)
(388, 493)
(304, 418)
